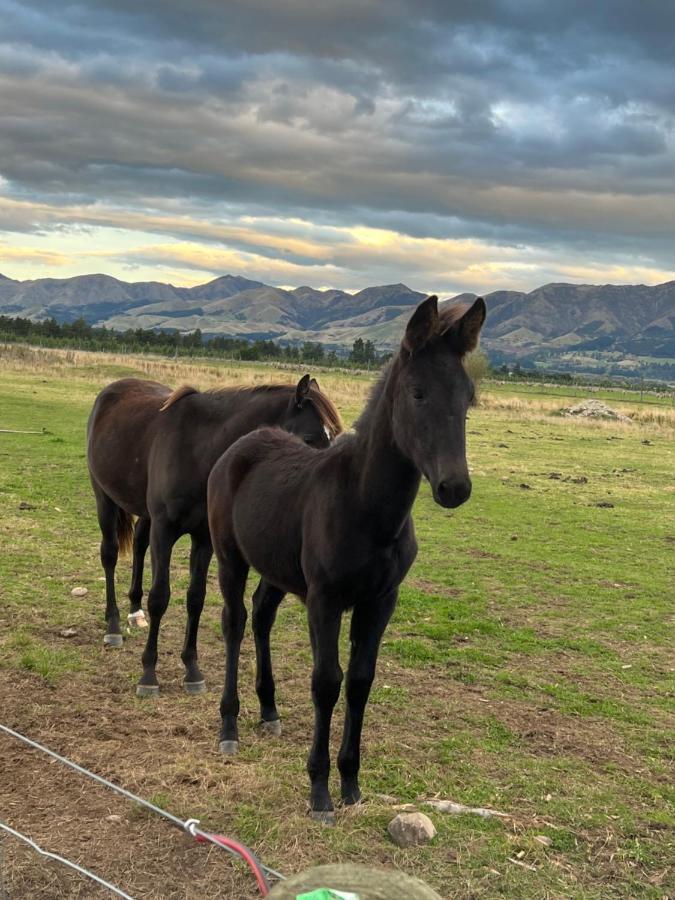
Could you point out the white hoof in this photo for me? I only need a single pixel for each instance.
(273, 727)
(138, 619)
(112, 640)
(229, 748)
(147, 690)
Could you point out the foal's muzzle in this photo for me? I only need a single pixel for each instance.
(451, 492)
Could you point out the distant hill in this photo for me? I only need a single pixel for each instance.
(561, 324)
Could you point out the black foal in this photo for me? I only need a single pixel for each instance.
(335, 528)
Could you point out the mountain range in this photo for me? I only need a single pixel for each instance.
(549, 322)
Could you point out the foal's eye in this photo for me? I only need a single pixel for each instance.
(418, 393)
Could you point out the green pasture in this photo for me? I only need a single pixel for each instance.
(530, 666)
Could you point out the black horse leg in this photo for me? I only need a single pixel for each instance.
(200, 557)
(140, 545)
(232, 573)
(266, 600)
(162, 539)
(107, 520)
(367, 628)
(324, 631)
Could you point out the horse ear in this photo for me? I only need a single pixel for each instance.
(422, 325)
(302, 389)
(465, 332)
(313, 383)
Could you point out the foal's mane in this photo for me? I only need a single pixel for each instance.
(327, 410)
(450, 314)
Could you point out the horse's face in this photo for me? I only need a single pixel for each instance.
(304, 419)
(432, 396)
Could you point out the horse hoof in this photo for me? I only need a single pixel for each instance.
(229, 748)
(113, 640)
(272, 727)
(138, 619)
(323, 816)
(147, 690)
(194, 687)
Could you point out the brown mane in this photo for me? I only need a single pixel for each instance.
(324, 405)
(178, 394)
(328, 411)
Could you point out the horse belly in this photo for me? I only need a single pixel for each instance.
(269, 543)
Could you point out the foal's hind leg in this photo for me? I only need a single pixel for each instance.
(232, 573)
(367, 628)
(107, 520)
(162, 539)
(266, 600)
(200, 557)
(141, 540)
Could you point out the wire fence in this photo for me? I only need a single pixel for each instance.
(65, 861)
(260, 871)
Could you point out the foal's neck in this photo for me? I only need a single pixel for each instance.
(388, 481)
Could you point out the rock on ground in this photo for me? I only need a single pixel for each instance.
(408, 829)
(595, 409)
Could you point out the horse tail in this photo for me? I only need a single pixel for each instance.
(125, 531)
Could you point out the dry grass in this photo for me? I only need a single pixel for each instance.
(533, 407)
(527, 668)
(347, 389)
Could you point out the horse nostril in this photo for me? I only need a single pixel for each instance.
(454, 493)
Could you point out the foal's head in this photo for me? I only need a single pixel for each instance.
(433, 393)
(311, 415)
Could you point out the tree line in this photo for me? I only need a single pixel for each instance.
(79, 335)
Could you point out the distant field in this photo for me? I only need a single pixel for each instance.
(529, 666)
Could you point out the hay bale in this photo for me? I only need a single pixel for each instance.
(369, 884)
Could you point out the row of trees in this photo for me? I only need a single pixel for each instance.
(82, 336)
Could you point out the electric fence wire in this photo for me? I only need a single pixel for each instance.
(233, 847)
(64, 861)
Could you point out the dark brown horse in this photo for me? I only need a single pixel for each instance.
(335, 528)
(150, 451)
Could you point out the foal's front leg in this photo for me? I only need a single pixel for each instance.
(367, 628)
(324, 631)
(232, 573)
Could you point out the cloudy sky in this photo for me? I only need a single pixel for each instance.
(465, 145)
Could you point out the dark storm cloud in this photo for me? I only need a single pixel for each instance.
(507, 121)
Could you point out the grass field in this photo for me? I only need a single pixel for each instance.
(530, 667)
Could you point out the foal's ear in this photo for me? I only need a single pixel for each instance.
(302, 389)
(465, 332)
(422, 325)
(313, 383)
